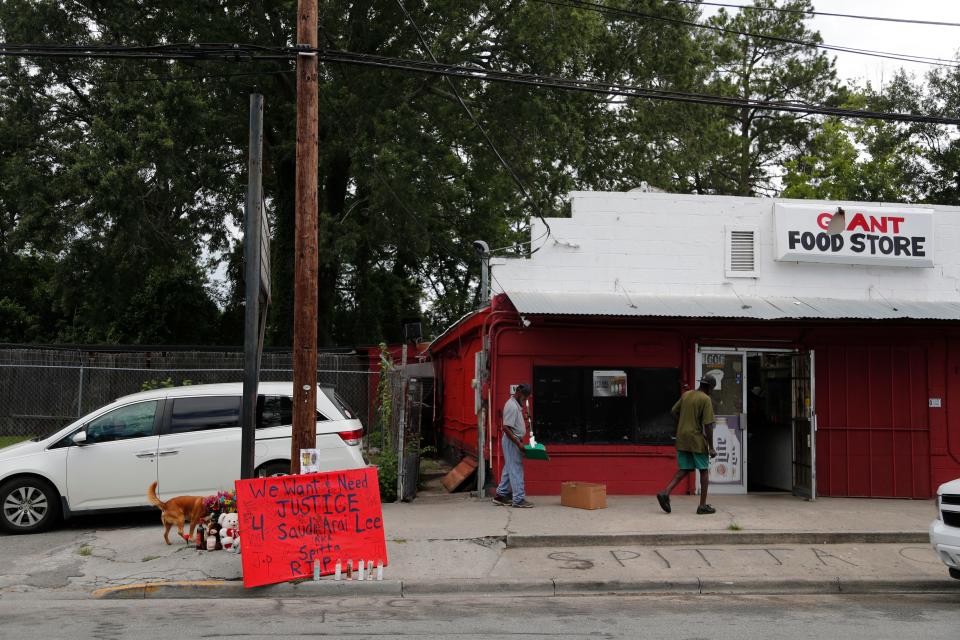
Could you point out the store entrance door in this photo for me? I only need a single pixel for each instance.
(728, 471)
(765, 433)
(770, 411)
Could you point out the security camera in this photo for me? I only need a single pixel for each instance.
(481, 247)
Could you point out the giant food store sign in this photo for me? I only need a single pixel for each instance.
(861, 235)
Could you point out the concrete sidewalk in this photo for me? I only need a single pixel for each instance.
(459, 544)
(639, 519)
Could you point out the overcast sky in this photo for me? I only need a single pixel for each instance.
(924, 40)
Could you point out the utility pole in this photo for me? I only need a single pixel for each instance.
(252, 268)
(305, 269)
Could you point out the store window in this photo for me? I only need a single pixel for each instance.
(604, 405)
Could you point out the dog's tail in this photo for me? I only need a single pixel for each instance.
(152, 496)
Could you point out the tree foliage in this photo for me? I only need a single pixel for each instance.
(122, 182)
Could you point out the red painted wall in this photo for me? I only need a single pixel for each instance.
(625, 469)
(873, 425)
(454, 371)
(944, 358)
(877, 436)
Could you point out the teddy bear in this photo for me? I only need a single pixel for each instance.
(230, 531)
(213, 535)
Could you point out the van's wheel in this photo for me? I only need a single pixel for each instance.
(954, 573)
(28, 505)
(274, 469)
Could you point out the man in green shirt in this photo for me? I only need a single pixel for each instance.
(694, 412)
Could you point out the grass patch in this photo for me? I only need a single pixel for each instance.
(149, 558)
(85, 550)
(6, 441)
(734, 526)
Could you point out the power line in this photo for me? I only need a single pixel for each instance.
(202, 76)
(601, 8)
(511, 77)
(254, 52)
(609, 88)
(476, 123)
(811, 12)
(228, 52)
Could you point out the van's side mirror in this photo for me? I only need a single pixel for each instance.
(80, 438)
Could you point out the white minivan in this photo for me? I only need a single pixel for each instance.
(187, 439)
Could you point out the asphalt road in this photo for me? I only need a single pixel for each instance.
(74, 529)
(683, 618)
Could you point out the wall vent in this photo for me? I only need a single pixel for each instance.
(742, 253)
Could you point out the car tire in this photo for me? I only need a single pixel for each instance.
(28, 505)
(274, 469)
(954, 573)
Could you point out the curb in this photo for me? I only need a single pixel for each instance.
(573, 587)
(544, 587)
(512, 586)
(234, 589)
(719, 537)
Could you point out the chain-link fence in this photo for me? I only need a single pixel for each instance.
(42, 390)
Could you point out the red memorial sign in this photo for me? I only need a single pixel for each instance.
(288, 522)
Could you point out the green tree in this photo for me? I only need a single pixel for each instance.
(756, 143)
(134, 167)
(115, 182)
(121, 179)
(939, 95)
(867, 160)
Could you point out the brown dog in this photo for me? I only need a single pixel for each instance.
(176, 511)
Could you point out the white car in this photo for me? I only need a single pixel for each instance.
(185, 438)
(945, 530)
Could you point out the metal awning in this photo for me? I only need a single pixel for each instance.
(732, 306)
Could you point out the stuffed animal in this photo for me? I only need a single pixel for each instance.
(213, 533)
(229, 530)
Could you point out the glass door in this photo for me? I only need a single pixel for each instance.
(728, 471)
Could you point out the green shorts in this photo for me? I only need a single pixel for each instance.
(690, 460)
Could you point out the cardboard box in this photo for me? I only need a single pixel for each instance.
(583, 495)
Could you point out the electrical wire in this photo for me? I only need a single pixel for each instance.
(199, 51)
(486, 136)
(601, 8)
(203, 76)
(817, 13)
(528, 242)
(486, 75)
(494, 278)
(610, 88)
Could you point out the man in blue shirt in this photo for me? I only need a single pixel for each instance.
(514, 430)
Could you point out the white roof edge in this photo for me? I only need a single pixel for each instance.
(694, 196)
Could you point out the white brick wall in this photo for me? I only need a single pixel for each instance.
(657, 243)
